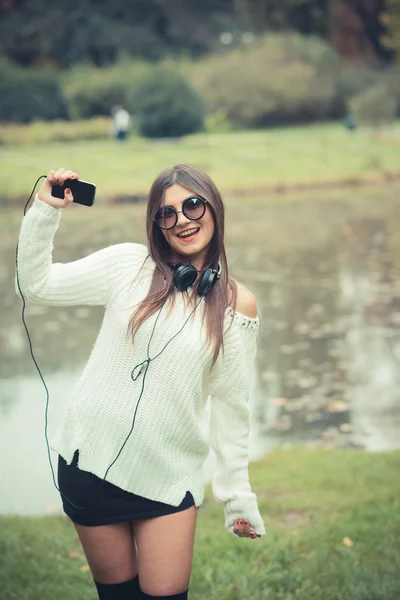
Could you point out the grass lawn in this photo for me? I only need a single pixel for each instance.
(238, 161)
(333, 531)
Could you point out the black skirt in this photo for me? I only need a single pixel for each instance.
(106, 503)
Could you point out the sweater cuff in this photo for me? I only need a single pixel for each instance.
(243, 506)
(45, 209)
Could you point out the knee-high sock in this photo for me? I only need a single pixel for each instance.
(181, 596)
(127, 590)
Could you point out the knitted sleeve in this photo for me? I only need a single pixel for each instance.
(87, 281)
(229, 423)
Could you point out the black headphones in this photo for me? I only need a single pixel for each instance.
(185, 275)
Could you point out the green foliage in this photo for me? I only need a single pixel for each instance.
(93, 91)
(218, 122)
(353, 79)
(392, 18)
(374, 106)
(43, 33)
(279, 79)
(42, 132)
(63, 33)
(282, 15)
(27, 94)
(167, 106)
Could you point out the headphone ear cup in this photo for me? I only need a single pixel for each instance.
(206, 282)
(184, 277)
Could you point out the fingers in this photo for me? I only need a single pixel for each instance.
(60, 176)
(68, 196)
(50, 177)
(57, 178)
(242, 529)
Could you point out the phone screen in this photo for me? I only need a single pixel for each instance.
(82, 191)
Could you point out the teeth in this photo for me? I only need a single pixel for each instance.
(188, 233)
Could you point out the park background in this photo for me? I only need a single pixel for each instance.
(292, 106)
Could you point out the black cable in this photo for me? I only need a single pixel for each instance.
(30, 341)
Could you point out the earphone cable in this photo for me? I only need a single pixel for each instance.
(202, 298)
(30, 341)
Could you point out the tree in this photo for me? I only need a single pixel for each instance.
(304, 16)
(359, 30)
(391, 18)
(38, 32)
(42, 33)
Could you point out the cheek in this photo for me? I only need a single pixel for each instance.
(209, 226)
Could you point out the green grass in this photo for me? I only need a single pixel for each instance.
(237, 161)
(312, 501)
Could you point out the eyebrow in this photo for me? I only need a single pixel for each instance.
(188, 198)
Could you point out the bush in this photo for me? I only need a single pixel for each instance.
(167, 106)
(28, 94)
(91, 91)
(355, 80)
(279, 79)
(218, 122)
(56, 131)
(375, 106)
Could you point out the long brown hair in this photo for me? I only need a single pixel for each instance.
(162, 289)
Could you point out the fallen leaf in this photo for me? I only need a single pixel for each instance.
(347, 542)
(279, 401)
(74, 554)
(336, 406)
(345, 427)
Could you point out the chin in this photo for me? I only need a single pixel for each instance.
(186, 251)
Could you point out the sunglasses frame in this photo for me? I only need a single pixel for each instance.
(203, 200)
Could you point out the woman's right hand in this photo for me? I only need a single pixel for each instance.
(57, 178)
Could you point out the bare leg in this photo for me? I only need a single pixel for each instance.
(165, 552)
(110, 551)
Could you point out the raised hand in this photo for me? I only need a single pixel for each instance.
(57, 178)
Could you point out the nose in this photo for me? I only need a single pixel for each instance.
(182, 220)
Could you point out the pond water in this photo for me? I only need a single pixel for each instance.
(324, 268)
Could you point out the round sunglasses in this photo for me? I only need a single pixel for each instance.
(193, 208)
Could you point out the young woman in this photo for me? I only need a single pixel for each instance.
(176, 331)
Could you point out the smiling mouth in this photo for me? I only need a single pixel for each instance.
(188, 234)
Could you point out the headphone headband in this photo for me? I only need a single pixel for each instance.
(185, 275)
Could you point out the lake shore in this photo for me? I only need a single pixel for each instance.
(242, 162)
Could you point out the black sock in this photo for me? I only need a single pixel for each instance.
(127, 590)
(181, 596)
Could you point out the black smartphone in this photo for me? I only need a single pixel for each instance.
(82, 191)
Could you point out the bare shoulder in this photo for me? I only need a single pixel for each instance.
(246, 303)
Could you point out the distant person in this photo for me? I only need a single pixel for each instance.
(122, 122)
(350, 122)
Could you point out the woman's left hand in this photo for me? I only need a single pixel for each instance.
(242, 529)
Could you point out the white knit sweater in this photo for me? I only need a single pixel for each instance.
(164, 454)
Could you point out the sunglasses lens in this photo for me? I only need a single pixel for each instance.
(166, 218)
(194, 208)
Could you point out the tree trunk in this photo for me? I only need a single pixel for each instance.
(357, 30)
